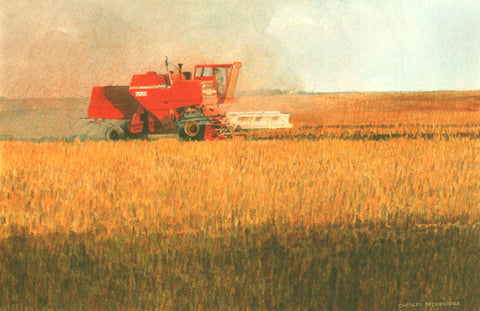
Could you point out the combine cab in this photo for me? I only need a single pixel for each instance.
(174, 102)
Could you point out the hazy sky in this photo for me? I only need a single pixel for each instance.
(61, 48)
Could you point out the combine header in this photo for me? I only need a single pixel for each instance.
(254, 120)
(163, 103)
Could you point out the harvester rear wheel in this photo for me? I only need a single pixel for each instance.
(114, 133)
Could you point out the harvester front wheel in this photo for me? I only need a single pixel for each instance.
(191, 131)
(191, 128)
(114, 133)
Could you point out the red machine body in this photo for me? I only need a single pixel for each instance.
(161, 103)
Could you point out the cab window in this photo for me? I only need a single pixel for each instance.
(204, 72)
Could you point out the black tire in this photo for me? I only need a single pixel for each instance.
(114, 133)
(184, 137)
(201, 134)
(191, 125)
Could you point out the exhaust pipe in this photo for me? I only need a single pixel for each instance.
(168, 71)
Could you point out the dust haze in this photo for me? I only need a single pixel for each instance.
(62, 48)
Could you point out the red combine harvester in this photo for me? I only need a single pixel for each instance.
(164, 103)
(160, 103)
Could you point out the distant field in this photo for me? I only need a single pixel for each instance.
(370, 202)
(374, 115)
(57, 119)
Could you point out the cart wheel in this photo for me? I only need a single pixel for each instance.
(114, 133)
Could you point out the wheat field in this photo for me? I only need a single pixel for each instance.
(365, 204)
(210, 187)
